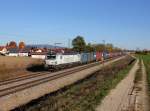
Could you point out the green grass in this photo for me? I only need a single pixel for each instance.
(86, 94)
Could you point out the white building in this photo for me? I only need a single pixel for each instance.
(23, 54)
(3, 50)
(38, 55)
(13, 52)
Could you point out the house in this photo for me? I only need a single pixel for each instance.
(3, 50)
(24, 52)
(13, 52)
(38, 55)
(38, 50)
(18, 52)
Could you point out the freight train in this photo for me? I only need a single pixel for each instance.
(60, 60)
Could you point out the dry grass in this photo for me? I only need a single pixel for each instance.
(15, 66)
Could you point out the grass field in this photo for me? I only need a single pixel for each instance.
(15, 66)
(84, 95)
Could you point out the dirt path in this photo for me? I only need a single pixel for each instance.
(119, 99)
(139, 93)
(141, 102)
(145, 90)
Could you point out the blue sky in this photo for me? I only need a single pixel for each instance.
(125, 23)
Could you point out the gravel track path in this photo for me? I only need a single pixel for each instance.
(120, 99)
(145, 90)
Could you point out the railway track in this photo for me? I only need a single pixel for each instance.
(20, 83)
(32, 75)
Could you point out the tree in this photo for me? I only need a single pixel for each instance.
(109, 47)
(78, 44)
(12, 44)
(89, 48)
(21, 45)
(99, 47)
(116, 49)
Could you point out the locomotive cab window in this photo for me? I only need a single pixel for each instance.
(51, 57)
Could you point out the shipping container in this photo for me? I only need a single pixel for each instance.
(92, 56)
(84, 58)
(106, 55)
(98, 56)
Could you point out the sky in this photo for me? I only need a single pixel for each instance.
(125, 23)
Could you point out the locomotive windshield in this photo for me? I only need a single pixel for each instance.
(51, 56)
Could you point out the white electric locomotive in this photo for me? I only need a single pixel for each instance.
(61, 59)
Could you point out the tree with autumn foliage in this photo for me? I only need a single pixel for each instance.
(21, 45)
(12, 44)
